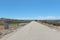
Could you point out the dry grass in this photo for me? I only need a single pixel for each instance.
(10, 26)
(1, 27)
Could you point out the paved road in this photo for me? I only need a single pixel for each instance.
(33, 31)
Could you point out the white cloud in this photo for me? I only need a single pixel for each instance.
(39, 18)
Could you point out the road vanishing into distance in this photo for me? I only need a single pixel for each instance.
(33, 31)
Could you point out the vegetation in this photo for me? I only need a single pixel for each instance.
(15, 21)
(12, 22)
(53, 22)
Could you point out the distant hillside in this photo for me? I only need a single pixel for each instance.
(54, 22)
(12, 21)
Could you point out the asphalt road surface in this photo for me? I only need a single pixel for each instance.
(34, 31)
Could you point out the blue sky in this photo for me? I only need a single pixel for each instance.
(29, 8)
